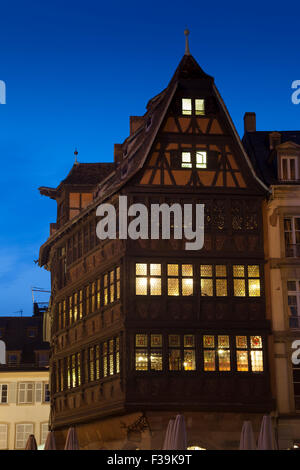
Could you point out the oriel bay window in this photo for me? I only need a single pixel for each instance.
(180, 279)
(246, 280)
(213, 280)
(216, 353)
(148, 279)
(249, 354)
(182, 352)
(148, 352)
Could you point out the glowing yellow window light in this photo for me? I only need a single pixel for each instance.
(186, 106)
(199, 107)
(141, 286)
(186, 160)
(155, 286)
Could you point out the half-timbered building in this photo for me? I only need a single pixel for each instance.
(144, 329)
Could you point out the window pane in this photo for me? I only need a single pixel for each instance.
(253, 271)
(242, 361)
(254, 287)
(141, 269)
(257, 361)
(156, 341)
(174, 359)
(155, 286)
(187, 270)
(187, 286)
(141, 359)
(155, 269)
(186, 160)
(173, 286)
(206, 270)
(189, 362)
(201, 160)
(172, 269)
(174, 340)
(239, 287)
(209, 360)
(207, 287)
(209, 341)
(221, 287)
(141, 340)
(199, 107)
(255, 342)
(141, 286)
(223, 341)
(241, 342)
(224, 359)
(221, 270)
(238, 271)
(156, 360)
(186, 106)
(189, 341)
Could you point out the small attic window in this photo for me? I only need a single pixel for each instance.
(193, 106)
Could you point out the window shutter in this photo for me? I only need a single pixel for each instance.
(12, 392)
(38, 392)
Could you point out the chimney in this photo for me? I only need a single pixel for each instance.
(274, 140)
(249, 122)
(118, 153)
(135, 122)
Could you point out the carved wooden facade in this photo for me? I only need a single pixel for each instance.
(173, 155)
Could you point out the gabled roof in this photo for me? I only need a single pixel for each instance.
(263, 159)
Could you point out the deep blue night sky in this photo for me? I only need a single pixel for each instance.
(76, 70)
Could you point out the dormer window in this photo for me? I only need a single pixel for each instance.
(196, 159)
(194, 107)
(289, 168)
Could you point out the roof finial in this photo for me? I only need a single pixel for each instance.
(76, 153)
(187, 49)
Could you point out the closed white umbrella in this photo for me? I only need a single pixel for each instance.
(31, 443)
(266, 439)
(168, 437)
(50, 443)
(72, 440)
(247, 441)
(179, 440)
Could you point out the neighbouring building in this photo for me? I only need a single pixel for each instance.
(276, 159)
(24, 381)
(143, 329)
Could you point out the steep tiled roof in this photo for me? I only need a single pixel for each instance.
(88, 173)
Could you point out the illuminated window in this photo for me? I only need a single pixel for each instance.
(105, 283)
(70, 310)
(201, 159)
(180, 279)
(97, 362)
(64, 313)
(186, 160)
(118, 281)
(148, 279)
(196, 159)
(213, 280)
(91, 364)
(246, 280)
(78, 364)
(199, 107)
(117, 355)
(186, 106)
(111, 356)
(182, 352)
(104, 359)
(25, 392)
(193, 106)
(189, 358)
(98, 294)
(75, 311)
(112, 286)
(80, 304)
(249, 351)
(141, 352)
(216, 353)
